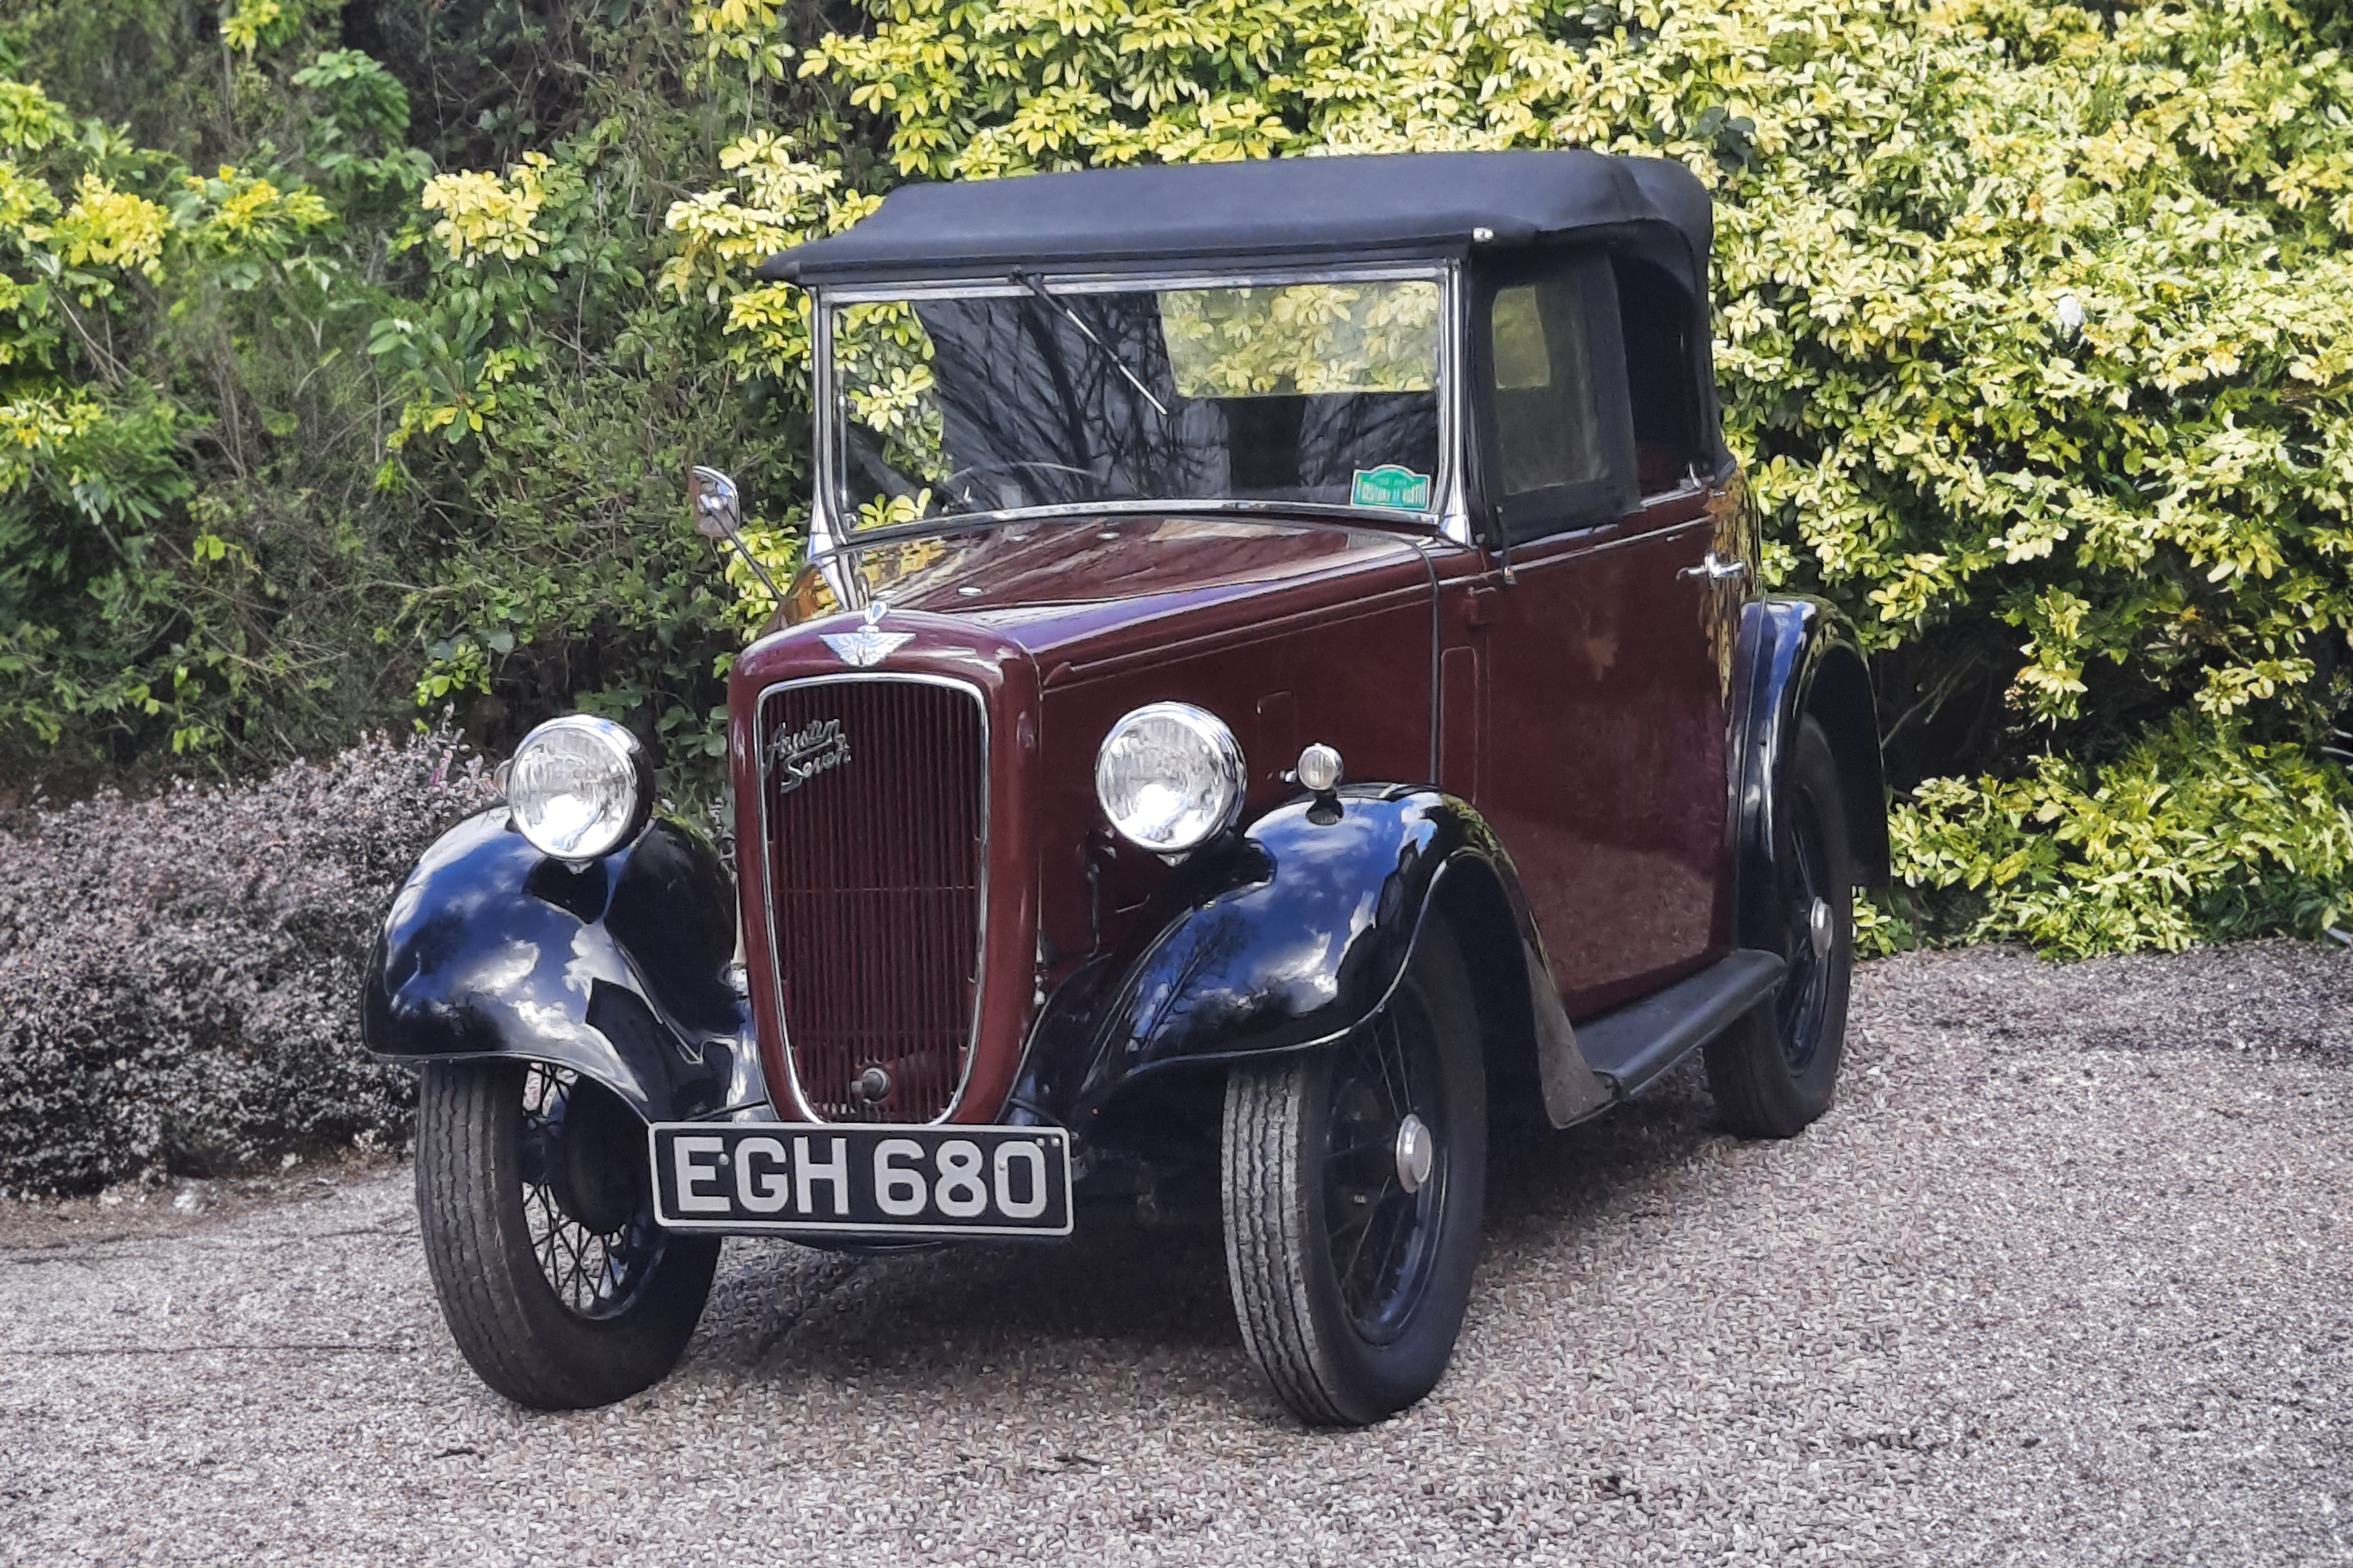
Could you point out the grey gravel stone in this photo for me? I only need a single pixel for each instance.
(2063, 1279)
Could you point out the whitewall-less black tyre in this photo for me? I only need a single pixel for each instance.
(1774, 1072)
(537, 1209)
(1355, 1183)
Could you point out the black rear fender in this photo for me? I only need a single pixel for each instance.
(1799, 659)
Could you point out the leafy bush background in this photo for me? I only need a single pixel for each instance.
(178, 974)
(2032, 328)
(279, 462)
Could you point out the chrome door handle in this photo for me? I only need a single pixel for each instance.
(1715, 570)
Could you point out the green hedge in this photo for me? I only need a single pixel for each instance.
(228, 536)
(2033, 329)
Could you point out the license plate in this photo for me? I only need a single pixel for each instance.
(862, 1181)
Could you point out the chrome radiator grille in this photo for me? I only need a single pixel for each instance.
(876, 809)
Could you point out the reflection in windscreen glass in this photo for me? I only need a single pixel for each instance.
(1320, 393)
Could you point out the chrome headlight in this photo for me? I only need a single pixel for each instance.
(1170, 776)
(579, 787)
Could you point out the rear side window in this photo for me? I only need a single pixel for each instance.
(1654, 316)
(1553, 390)
(1546, 431)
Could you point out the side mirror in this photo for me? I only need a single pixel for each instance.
(718, 515)
(718, 507)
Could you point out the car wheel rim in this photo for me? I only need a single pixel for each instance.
(1804, 997)
(597, 1244)
(1385, 1167)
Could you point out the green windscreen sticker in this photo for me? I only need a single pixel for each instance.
(1391, 486)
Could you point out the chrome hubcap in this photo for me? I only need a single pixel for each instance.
(1416, 1152)
(1817, 922)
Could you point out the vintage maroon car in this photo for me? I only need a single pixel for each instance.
(1279, 680)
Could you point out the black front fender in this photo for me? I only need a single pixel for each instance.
(620, 971)
(1286, 937)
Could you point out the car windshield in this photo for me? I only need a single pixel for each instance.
(1044, 392)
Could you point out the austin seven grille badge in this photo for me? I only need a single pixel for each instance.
(869, 645)
(796, 756)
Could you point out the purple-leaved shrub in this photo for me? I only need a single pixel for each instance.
(180, 975)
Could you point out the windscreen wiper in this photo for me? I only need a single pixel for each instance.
(1029, 282)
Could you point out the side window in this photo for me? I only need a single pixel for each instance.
(1546, 432)
(1553, 405)
(1654, 319)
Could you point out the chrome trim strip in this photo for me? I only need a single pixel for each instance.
(826, 530)
(768, 892)
(1683, 491)
(1454, 409)
(1588, 549)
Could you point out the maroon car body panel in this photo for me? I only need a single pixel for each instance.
(1580, 704)
(1598, 748)
(1290, 631)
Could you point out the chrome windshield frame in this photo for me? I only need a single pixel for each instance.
(830, 532)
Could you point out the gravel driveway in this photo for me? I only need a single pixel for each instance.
(2061, 1279)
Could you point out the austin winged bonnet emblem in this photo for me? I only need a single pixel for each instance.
(796, 756)
(869, 645)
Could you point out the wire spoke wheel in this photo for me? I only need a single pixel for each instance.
(535, 1198)
(1382, 1234)
(1775, 1071)
(1353, 1182)
(595, 1255)
(1804, 996)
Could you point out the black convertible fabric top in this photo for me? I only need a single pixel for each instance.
(1301, 207)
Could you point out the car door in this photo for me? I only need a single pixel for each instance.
(1596, 648)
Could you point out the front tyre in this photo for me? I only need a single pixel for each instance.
(1355, 1183)
(1774, 1072)
(534, 1200)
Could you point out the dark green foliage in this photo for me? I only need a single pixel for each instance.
(574, 396)
(236, 559)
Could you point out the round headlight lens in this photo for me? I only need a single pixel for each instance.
(574, 787)
(1170, 776)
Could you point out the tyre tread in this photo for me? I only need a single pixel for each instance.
(482, 1263)
(1747, 1068)
(1266, 1253)
(1737, 1070)
(1275, 1265)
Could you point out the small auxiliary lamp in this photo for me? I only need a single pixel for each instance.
(1318, 772)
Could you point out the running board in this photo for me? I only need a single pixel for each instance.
(1636, 1043)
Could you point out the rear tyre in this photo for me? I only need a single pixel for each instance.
(1775, 1072)
(534, 1202)
(1355, 1183)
